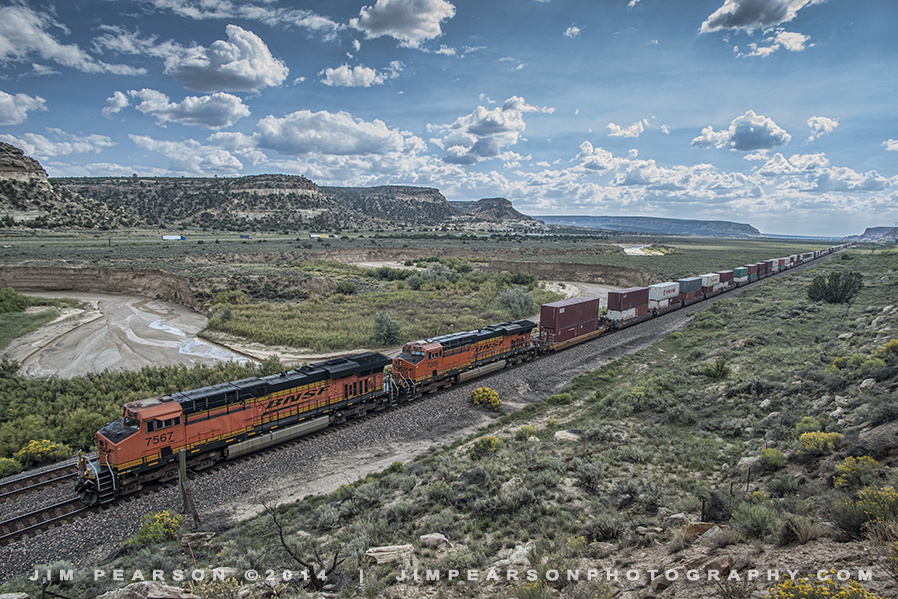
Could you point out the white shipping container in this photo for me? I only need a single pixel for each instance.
(657, 304)
(741, 279)
(710, 280)
(661, 291)
(621, 315)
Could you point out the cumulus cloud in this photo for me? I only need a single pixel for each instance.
(572, 32)
(326, 132)
(360, 76)
(190, 157)
(15, 109)
(25, 35)
(115, 104)
(746, 133)
(61, 144)
(748, 15)
(820, 125)
(633, 130)
(242, 63)
(794, 42)
(484, 133)
(412, 22)
(212, 112)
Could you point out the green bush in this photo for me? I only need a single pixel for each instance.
(484, 446)
(347, 288)
(37, 453)
(755, 521)
(838, 288)
(560, 399)
(9, 466)
(771, 459)
(386, 330)
(525, 432)
(718, 371)
(10, 301)
(517, 302)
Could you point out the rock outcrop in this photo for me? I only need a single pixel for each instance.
(18, 167)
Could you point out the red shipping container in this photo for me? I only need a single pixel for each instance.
(752, 269)
(625, 299)
(565, 313)
(726, 276)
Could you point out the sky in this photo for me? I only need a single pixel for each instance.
(778, 113)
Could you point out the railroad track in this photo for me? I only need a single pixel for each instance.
(43, 479)
(40, 520)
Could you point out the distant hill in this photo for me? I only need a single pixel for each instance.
(493, 209)
(656, 226)
(28, 198)
(876, 234)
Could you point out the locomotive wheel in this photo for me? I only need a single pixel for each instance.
(204, 463)
(132, 487)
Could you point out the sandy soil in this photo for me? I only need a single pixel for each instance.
(115, 332)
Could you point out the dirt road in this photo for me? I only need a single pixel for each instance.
(115, 332)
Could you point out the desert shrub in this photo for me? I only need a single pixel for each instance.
(807, 424)
(589, 475)
(158, 528)
(812, 588)
(517, 302)
(598, 433)
(347, 288)
(386, 330)
(439, 492)
(870, 366)
(588, 589)
(525, 432)
(755, 521)
(604, 526)
(229, 588)
(9, 466)
(560, 399)
(782, 485)
(484, 446)
(854, 473)
(484, 396)
(771, 459)
(41, 452)
(817, 443)
(718, 507)
(11, 301)
(235, 297)
(717, 371)
(798, 530)
(325, 517)
(634, 454)
(838, 288)
(872, 506)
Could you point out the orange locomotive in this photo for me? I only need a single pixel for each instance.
(441, 361)
(226, 421)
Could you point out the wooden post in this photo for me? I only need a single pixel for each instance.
(186, 489)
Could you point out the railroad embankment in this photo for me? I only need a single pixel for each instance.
(582, 273)
(145, 282)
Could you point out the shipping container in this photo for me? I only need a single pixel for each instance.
(726, 277)
(625, 299)
(552, 335)
(566, 313)
(629, 314)
(664, 291)
(173, 238)
(710, 279)
(690, 284)
(752, 268)
(740, 271)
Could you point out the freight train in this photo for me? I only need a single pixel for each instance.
(229, 420)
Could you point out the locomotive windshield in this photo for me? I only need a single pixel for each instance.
(411, 354)
(131, 422)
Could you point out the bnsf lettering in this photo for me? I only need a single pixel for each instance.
(493, 343)
(291, 399)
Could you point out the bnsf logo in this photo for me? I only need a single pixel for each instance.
(491, 344)
(291, 399)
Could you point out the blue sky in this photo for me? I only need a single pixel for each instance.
(778, 113)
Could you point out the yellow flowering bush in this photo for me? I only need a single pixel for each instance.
(484, 396)
(483, 446)
(853, 473)
(37, 453)
(157, 528)
(525, 432)
(890, 348)
(819, 443)
(812, 588)
(9, 466)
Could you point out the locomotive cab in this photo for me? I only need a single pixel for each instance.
(418, 360)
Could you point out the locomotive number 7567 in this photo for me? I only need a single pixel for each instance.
(157, 439)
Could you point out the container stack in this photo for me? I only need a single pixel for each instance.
(566, 319)
(663, 295)
(628, 303)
